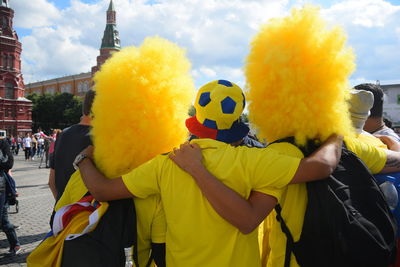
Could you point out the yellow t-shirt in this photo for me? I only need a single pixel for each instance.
(150, 217)
(196, 234)
(294, 200)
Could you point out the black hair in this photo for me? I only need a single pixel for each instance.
(377, 108)
(87, 102)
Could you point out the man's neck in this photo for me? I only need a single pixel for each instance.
(85, 120)
(374, 124)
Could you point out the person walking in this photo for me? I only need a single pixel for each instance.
(6, 163)
(27, 143)
(34, 147)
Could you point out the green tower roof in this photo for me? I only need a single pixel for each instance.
(111, 36)
(111, 6)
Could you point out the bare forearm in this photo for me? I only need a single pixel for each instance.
(330, 152)
(392, 162)
(231, 206)
(102, 188)
(52, 183)
(321, 163)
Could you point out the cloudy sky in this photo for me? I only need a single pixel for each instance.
(62, 37)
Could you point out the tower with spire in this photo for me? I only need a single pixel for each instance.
(15, 110)
(110, 41)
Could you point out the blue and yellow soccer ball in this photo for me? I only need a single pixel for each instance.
(219, 104)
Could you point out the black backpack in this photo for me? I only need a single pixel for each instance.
(104, 246)
(347, 220)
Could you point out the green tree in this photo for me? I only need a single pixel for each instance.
(55, 111)
(191, 111)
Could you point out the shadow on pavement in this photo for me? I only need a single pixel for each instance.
(20, 258)
(34, 185)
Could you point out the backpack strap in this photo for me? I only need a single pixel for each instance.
(286, 231)
(135, 244)
(150, 259)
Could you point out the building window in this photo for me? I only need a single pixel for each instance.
(86, 86)
(50, 90)
(80, 85)
(5, 22)
(4, 61)
(83, 87)
(13, 114)
(11, 59)
(9, 93)
(66, 88)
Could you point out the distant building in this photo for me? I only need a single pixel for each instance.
(15, 109)
(78, 84)
(391, 103)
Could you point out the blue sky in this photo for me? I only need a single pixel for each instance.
(62, 37)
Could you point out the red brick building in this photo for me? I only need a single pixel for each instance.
(15, 109)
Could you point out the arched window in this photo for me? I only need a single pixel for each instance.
(9, 93)
(4, 61)
(4, 22)
(11, 62)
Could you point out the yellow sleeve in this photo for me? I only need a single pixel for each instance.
(271, 168)
(374, 157)
(159, 225)
(143, 181)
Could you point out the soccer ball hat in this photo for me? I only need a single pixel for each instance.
(219, 105)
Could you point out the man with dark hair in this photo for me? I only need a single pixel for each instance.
(70, 142)
(375, 123)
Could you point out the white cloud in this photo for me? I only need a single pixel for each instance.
(372, 30)
(366, 13)
(50, 53)
(216, 34)
(213, 32)
(34, 13)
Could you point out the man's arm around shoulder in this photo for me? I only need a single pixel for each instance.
(321, 163)
(101, 188)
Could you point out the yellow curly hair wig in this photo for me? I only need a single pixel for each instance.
(297, 73)
(142, 98)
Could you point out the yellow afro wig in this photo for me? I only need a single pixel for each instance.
(142, 98)
(297, 73)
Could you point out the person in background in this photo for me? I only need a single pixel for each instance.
(6, 163)
(19, 144)
(34, 147)
(26, 145)
(13, 143)
(40, 146)
(69, 143)
(375, 123)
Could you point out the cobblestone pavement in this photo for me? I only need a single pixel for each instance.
(35, 205)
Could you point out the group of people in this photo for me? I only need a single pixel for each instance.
(210, 201)
(37, 144)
